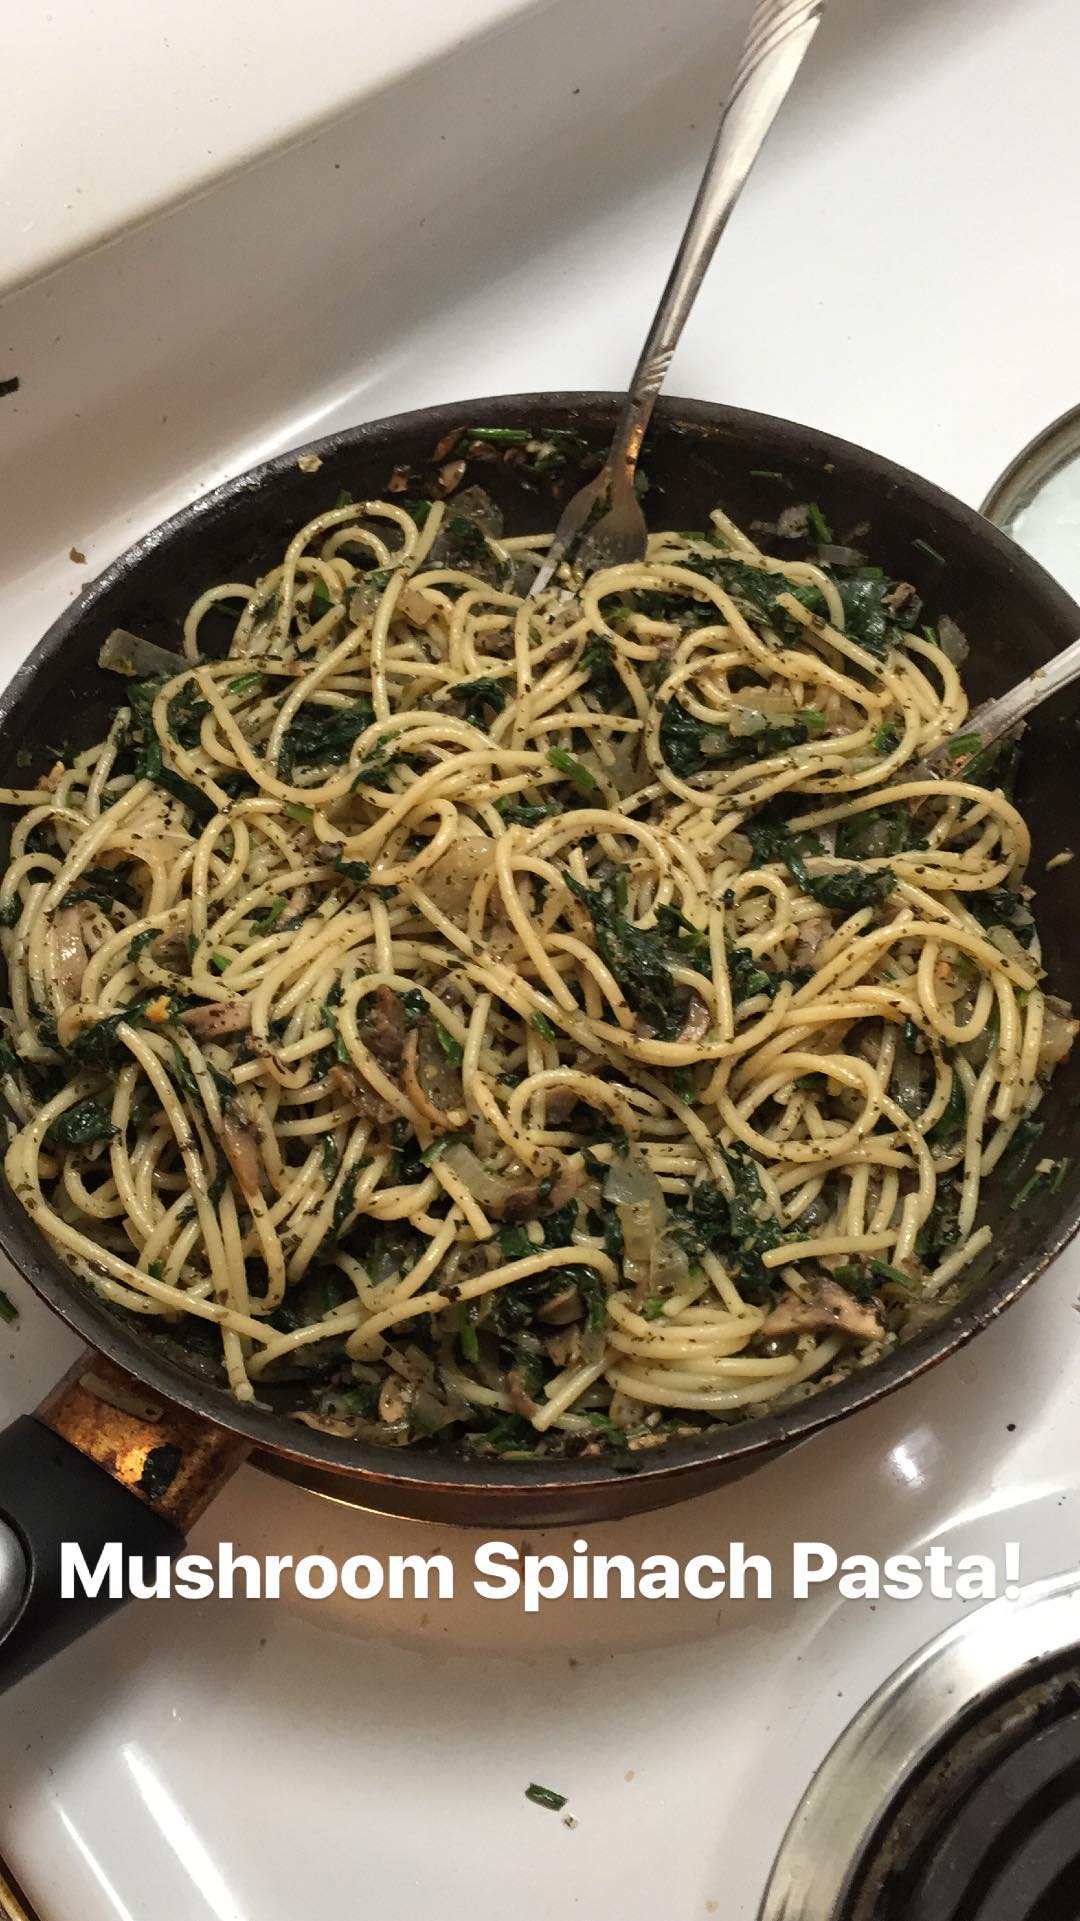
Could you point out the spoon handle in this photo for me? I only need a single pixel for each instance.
(777, 38)
(995, 717)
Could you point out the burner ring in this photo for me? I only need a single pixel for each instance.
(926, 1811)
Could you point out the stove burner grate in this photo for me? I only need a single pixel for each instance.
(954, 1794)
(989, 1829)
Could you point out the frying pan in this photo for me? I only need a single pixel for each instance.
(133, 1444)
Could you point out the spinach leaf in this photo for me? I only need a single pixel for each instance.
(522, 813)
(994, 767)
(741, 1230)
(941, 1229)
(1000, 907)
(358, 871)
(377, 766)
(855, 887)
(578, 776)
(603, 680)
(322, 736)
(684, 938)
(867, 619)
(756, 594)
(748, 977)
(952, 1120)
(689, 745)
(103, 886)
(464, 543)
(479, 695)
(344, 1201)
(638, 957)
(186, 712)
(98, 1045)
(79, 1125)
(185, 791)
(880, 830)
(852, 888)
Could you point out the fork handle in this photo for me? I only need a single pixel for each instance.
(777, 38)
(995, 717)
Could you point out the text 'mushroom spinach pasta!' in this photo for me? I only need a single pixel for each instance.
(539, 1025)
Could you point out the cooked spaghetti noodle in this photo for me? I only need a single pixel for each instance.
(548, 1023)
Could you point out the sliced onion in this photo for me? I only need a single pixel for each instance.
(131, 654)
(829, 554)
(906, 1085)
(639, 1232)
(450, 881)
(953, 641)
(69, 952)
(1006, 943)
(628, 1183)
(491, 1190)
(977, 1051)
(874, 839)
(745, 722)
(1058, 1034)
(793, 522)
(642, 1210)
(672, 1265)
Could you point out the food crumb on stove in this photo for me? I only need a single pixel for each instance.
(569, 1820)
(9, 386)
(629, 1775)
(309, 463)
(545, 1797)
(711, 1907)
(1060, 860)
(8, 1310)
(1010, 1427)
(77, 556)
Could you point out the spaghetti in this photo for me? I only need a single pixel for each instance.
(545, 1023)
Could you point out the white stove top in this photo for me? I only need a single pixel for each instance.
(901, 274)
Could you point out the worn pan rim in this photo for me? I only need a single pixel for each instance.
(402, 1478)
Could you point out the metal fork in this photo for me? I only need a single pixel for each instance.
(777, 38)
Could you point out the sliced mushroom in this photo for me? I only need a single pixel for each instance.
(563, 1345)
(813, 933)
(69, 955)
(216, 1019)
(565, 1306)
(348, 1084)
(242, 1153)
(829, 1308)
(394, 1399)
(528, 1203)
(384, 1027)
(696, 1023)
(445, 1119)
(520, 1399)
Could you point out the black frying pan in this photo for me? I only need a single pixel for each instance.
(133, 1444)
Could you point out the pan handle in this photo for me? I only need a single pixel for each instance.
(53, 1498)
(101, 1469)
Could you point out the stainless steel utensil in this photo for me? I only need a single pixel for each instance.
(777, 38)
(993, 719)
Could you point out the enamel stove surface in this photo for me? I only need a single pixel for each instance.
(250, 1761)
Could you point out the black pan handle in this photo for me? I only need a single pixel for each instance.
(52, 1499)
(103, 1467)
